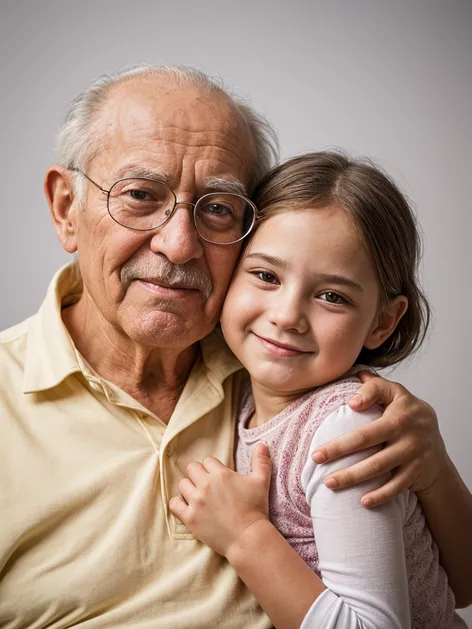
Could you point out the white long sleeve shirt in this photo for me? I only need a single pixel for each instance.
(380, 566)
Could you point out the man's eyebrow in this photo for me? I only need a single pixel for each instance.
(223, 184)
(330, 278)
(142, 172)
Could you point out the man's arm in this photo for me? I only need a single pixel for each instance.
(447, 505)
(415, 451)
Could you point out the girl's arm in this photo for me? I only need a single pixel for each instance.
(366, 578)
(415, 450)
(229, 513)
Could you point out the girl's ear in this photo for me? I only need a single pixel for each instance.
(386, 321)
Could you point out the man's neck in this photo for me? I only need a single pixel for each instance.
(154, 377)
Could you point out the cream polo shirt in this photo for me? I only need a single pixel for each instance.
(86, 473)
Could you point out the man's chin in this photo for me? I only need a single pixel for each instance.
(165, 329)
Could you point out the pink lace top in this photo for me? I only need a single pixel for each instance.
(297, 496)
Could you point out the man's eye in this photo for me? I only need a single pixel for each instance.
(332, 298)
(139, 195)
(268, 278)
(217, 209)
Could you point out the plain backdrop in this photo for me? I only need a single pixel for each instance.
(391, 80)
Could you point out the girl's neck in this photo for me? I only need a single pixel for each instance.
(268, 403)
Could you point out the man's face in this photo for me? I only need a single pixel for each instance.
(149, 128)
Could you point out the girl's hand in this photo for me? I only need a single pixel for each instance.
(219, 505)
(414, 448)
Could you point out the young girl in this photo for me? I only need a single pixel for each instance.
(327, 282)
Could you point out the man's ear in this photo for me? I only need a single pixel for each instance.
(386, 321)
(60, 195)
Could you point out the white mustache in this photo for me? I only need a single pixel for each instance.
(161, 270)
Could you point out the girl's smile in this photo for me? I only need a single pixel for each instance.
(304, 301)
(281, 349)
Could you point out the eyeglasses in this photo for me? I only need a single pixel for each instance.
(222, 218)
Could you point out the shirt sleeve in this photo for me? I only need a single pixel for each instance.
(361, 551)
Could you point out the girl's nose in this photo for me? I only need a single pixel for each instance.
(288, 314)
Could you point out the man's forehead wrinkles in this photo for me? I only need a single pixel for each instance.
(176, 150)
(200, 137)
(189, 143)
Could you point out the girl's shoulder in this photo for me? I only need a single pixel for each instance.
(329, 397)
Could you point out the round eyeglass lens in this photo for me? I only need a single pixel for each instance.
(224, 218)
(140, 203)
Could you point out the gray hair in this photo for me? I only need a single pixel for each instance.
(76, 140)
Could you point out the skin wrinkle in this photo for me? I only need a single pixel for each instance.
(163, 270)
(227, 134)
(217, 184)
(153, 336)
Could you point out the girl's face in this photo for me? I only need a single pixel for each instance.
(303, 302)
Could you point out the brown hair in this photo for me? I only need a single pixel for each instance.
(383, 219)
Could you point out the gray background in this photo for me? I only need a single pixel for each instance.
(392, 80)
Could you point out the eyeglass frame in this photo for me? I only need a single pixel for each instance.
(176, 203)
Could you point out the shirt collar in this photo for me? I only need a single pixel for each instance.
(217, 357)
(51, 355)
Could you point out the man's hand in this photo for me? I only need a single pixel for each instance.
(219, 505)
(414, 448)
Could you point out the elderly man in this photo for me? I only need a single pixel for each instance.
(118, 382)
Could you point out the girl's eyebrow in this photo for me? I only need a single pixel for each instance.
(339, 279)
(268, 258)
(331, 278)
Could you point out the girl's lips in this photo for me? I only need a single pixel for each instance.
(280, 350)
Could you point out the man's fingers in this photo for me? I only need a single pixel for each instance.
(366, 436)
(372, 467)
(393, 487)
(365, 376)
(375, 391)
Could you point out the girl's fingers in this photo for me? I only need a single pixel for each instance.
(211, 464)
(380, 463)
(178, 507)
(196, 472)
(187, 489)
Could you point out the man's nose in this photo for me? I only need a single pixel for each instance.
(178, 239)
(288, 313)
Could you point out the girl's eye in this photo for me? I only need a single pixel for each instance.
(332, 298)
(268, 278)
